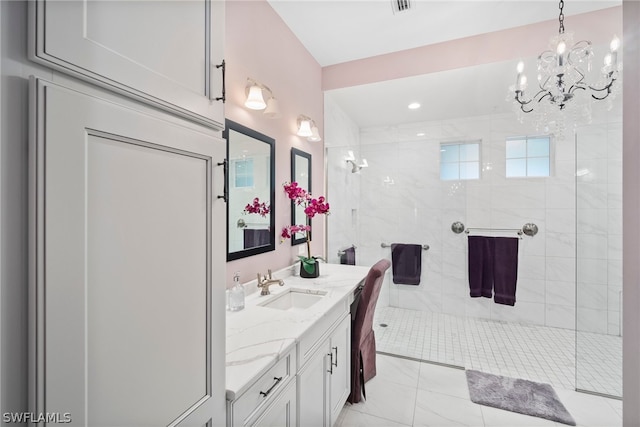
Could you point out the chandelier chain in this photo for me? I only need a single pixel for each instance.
(561, 17)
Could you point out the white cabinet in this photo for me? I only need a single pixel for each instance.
(126, 256)
(282, 413)
(324, 382)
(339, 376)
(263, 397)
(168, 53)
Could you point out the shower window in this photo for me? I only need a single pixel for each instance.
(460, 160)
(528, 157)
(243, 173)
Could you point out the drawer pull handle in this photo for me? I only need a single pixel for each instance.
(330, 370)
(336, 363)
(266, 393)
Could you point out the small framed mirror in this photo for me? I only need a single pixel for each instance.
(300, 173)
(251, 191)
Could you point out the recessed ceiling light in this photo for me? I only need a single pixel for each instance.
(414, 105)
(420, 134)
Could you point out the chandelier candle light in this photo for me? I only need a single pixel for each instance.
(561, 75)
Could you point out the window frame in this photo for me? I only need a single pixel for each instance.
(526, 139)
(460, 162)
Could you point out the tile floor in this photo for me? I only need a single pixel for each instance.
(411, 393)
(531, 352)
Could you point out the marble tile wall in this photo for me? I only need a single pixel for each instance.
(400, 198)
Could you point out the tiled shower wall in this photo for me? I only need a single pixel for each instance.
(400, 198)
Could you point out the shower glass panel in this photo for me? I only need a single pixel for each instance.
(401, 198)
(599, 256)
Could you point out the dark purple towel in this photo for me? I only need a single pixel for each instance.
(505, 269)
(256, 237)
(480, 266)
(348, 256)
(407, 263)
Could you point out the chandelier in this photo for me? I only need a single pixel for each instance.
(562, 77)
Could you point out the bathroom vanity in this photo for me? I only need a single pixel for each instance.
(288, 353)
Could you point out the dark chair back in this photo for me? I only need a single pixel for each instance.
(363, 343)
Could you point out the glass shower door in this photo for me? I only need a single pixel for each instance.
(599, 257)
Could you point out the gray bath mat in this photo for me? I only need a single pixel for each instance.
(516, 395)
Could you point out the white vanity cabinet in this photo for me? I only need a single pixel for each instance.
(315, 339)
(282, 412)
(323, 381)
(168, 53)
(269, 399)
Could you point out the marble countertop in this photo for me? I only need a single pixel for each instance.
(257, 337)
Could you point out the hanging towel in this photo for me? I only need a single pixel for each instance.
(407, 263)
(505, 270)
(348, 256)
(480, 266)
(256, 237)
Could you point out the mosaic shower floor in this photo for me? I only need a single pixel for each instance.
(532, 352)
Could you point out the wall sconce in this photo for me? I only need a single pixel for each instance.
(255, 100)
(307, 129)
(356, 166)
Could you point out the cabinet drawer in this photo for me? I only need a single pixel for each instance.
(323, 327)
(263, 391)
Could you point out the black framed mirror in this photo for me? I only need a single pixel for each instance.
(251, 191)
(300, 173)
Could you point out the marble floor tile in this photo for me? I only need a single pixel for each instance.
(352, 418)
(444, 380)
(388, 400)
(589, 410)
(435, 409)
(494, 417)
(397, 370)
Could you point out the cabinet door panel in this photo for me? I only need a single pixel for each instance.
(340, 378)
(312, 388)
(160, 51)
(282, 412)
(125, 305)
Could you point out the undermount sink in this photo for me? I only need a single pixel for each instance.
(294, 298)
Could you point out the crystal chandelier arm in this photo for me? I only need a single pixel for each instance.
(606, 88)
(520, 100)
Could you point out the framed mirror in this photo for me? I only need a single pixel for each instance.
(251, 191)
(300, 173)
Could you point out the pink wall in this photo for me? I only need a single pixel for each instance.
(469, 51)
(260, 46)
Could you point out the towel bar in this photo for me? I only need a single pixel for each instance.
(386, 245)
(341, 251)
(530, 229)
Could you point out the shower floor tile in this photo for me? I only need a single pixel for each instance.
(537, 353)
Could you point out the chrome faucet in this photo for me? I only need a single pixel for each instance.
(265, 282)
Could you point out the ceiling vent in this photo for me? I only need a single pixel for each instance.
(400, 5)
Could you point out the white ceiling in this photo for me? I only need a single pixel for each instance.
(336, 31)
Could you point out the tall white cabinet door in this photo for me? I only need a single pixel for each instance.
(340, 378)
(312, 389)
(163, 52)
(127, 265)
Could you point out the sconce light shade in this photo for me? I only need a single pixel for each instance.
(315, 135)
(255, 101)
(304, 127)
(273, 110)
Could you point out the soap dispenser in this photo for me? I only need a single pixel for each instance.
(236, 294)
